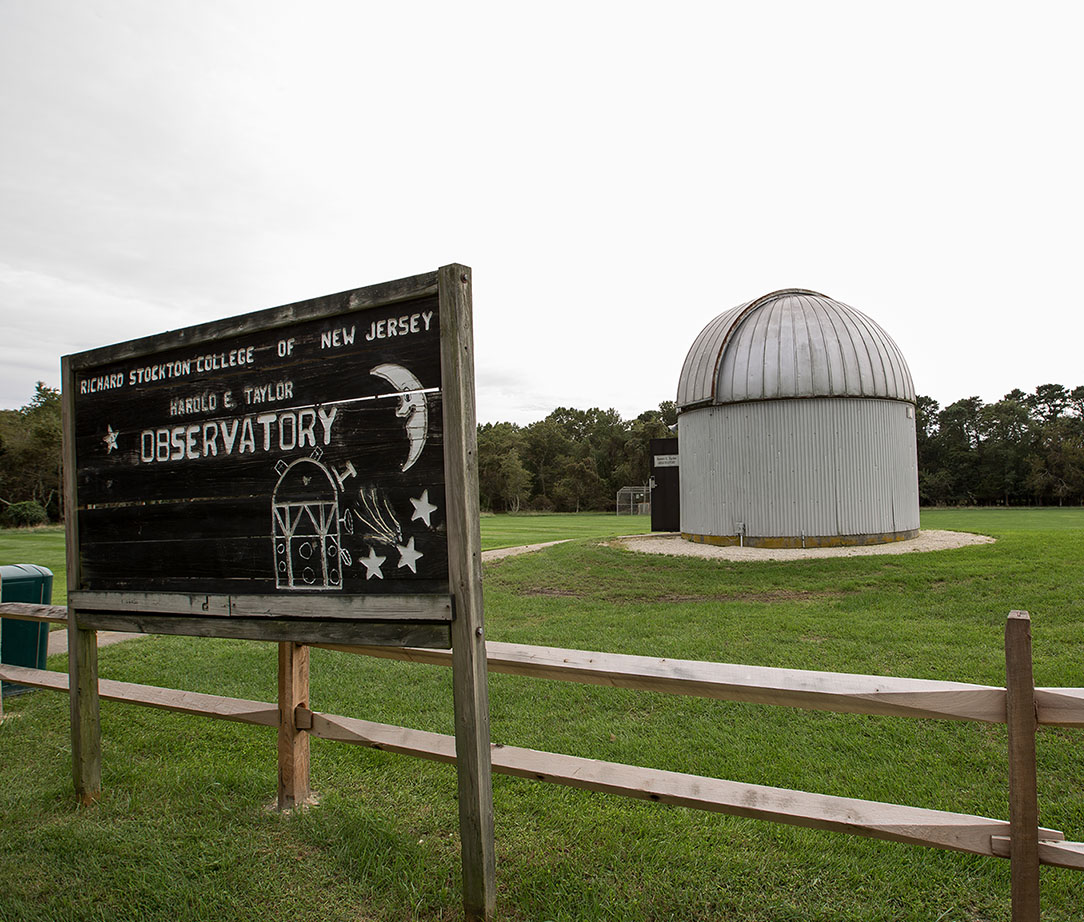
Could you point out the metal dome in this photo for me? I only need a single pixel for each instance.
(792, 343)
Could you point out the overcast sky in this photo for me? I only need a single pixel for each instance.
(615, 173)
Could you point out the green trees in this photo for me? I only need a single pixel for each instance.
(1024, 448)
(568, 462)
(30, 472)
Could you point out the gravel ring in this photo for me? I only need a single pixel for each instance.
(676, 546)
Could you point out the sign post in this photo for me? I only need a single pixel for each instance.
(305, 474)
(469, 677)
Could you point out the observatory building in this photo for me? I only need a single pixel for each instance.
(796, 428)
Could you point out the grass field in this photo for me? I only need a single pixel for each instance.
(43, 546)
(515, 530)
(182, 832)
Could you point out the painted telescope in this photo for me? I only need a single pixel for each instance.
(796, 428)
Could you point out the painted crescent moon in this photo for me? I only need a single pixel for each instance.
(412, 407)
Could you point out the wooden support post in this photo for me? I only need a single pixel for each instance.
(469, 678)
(86, 732)
(293, 743)
(85, 720)
(1023, 797)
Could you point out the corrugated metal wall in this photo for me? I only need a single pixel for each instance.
(786, 468)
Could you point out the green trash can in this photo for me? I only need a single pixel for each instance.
(24, 643)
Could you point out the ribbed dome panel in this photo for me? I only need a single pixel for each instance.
(792, 343)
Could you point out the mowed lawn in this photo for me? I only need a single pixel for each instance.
(183, 831)
(516, 530)
(41, 546)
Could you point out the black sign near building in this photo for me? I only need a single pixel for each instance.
(302, 458)
(285, 464)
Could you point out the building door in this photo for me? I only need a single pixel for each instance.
(665, 486)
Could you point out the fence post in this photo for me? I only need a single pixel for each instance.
(86, 728)
(293, 743)
(470, 689)
(1023, 797)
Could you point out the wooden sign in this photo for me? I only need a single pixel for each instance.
(283, 463)
(305, 474)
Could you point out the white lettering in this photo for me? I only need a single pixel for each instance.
(229, 434)
(326, 419)
(265, 420)
(306, 422)
(296, 429)
(210, 439)
(284, 443)
(248, 437)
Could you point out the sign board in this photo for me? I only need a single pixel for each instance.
(666, 461)
(306, 474)
(283, 463)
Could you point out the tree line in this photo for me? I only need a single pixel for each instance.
(30, 469)
(573, 460)
(1025, 449)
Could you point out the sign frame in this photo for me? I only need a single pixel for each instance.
(435, 619)
(415, 619)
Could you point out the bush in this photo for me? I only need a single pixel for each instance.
(22, 515)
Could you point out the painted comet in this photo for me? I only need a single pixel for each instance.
(412, 407)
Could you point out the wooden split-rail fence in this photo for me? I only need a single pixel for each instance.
(1019, 705)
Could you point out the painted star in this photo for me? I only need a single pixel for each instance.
(110, 439)
(408, 557)
(423, 509)
(372, 564)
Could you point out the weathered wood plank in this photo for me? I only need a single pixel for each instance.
(372, 296)
(86, 735)
(1057, 707)
(1023, 790)
(830, 691)
(382, 607)
(469, 676)
(27, 611)
(276, 629)
(168, 699)
(1058, 854)
(913, 825)
(1060, 707)
(293, 743)
(938, 829)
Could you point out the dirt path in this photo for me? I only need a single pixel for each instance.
(501, 552)
(58, 640)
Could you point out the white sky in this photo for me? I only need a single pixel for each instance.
(615, 173)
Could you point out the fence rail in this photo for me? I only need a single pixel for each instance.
(884, 696)
(839, 692)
